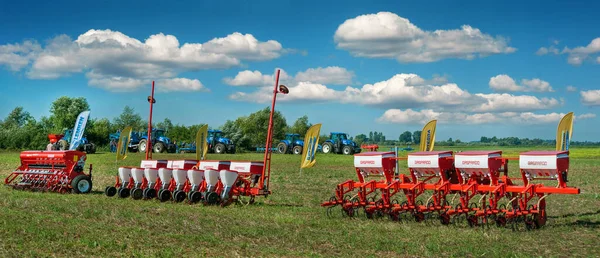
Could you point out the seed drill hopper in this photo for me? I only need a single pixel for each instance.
(57, 171)
(471, 186)
(207, 181)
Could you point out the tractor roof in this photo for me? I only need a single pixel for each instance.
(292, 134)
(214, 131)
(337, 133)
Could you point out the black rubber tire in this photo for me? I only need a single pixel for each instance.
(123, 192)
(164, 195)
(81, 184)
(150, 193)
(143, 145)
(110, 191)
(137, 193)
(91, 149)
(159, 147)
(327, 146)
(179, 196)
(195, 197)
(297, 150)
(282, 148)
(220, 148)
(212, 198)
(63, 144)
(347, 150)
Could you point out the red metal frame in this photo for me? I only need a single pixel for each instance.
(149, 141)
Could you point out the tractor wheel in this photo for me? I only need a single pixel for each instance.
(143, 145)
(219, 148)
(297, 150)
(347, 150)
(110, 191)
(63, 145)
(89, 148)
(81, 184)
(159, 147)
(327, 147)
(282, 148)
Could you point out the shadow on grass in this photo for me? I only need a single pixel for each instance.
(576, 214)
(585, 224)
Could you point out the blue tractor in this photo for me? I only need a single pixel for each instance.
(339, 143)
(219, 144)
(291, 144)
(133, 142)
(139, 141)
(61, 142)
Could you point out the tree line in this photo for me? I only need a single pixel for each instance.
(19, 130)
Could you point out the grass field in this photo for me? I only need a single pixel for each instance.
(289, 223)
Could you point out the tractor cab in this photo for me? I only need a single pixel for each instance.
(291, 144)
(219, 144)
(160, 142)
(340, 143)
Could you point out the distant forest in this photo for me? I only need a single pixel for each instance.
(19, 130)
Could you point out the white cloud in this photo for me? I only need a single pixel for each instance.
(590, 97)
(124, 84)
(571, 88)
(119, 62)
(387, 35)
(410, 116)
(400, 91)
(180, 84)
(328, 75)
(577, 55)
(320, 75)
(503, 82)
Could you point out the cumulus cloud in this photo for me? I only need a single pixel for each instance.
(571, 88)
(576, 55)
(387, 35)
(409, 116)
(328, 75)
(503, 82)
(115, 61)
(405, 91)
(590, 97)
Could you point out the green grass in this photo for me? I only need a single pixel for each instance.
(288, 223)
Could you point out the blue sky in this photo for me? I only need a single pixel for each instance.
(481, 68)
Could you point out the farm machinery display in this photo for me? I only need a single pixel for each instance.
(139, 141)
(339, 143)
(291, 144)
(469, 186)
(72, 139)
(207, 181)
(57, 171)
(219, 144)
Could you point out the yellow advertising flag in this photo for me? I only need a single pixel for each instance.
(201, 143)
(428, 136)
(564, 132)
(311, 143)
(123, 143)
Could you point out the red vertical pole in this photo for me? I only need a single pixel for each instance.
(149, 141)
(267, 158)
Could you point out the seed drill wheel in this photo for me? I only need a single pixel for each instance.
(123, 192)
(110, 191)
(137, 193)
(149, 193)
(164, 195)
(179, 196)
(541, 217)
(212, 198)
(81, 184)
(194, 197)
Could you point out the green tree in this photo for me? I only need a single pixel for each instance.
(255, 126)
(97, 131)
(17, 118)
(129, 118)
(65, 110)
(416, 135)
(166, 125)
(359, 139)
(300, 126)
(405, 137)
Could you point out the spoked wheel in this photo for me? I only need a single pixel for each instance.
(110, 191)
(137, 193)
